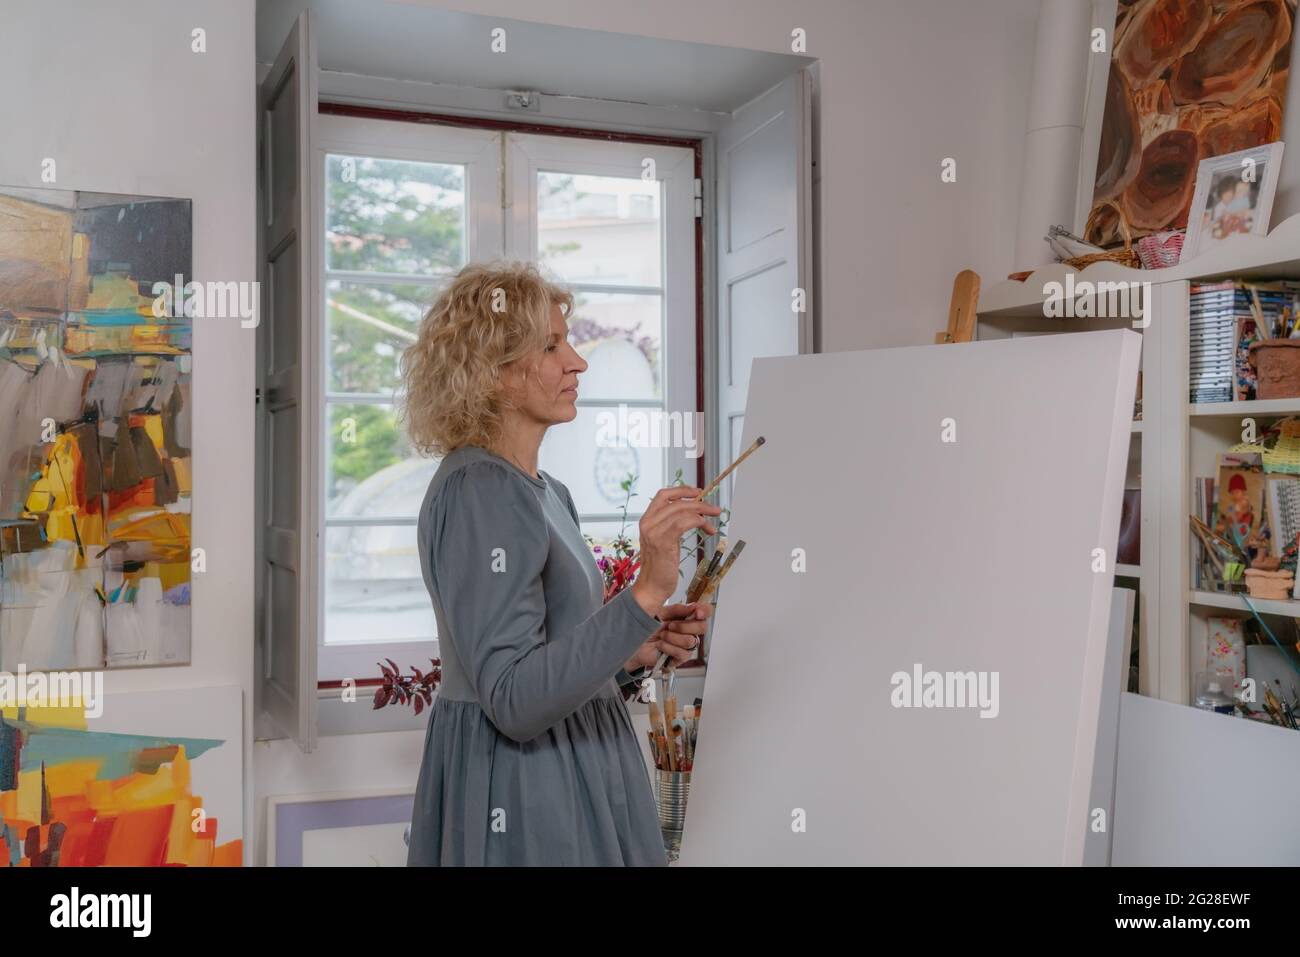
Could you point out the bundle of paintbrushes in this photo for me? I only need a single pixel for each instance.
(1227, 562)
(1281, 712)
(672, 736)
(708, 576)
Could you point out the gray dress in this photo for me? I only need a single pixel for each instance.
(530, 757)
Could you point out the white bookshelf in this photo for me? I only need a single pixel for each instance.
(1174, 442)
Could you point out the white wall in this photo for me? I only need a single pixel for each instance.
(113, 93)
(903, 84)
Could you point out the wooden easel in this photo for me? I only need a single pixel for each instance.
(961, 310)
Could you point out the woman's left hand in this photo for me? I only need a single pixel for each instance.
(683, 626)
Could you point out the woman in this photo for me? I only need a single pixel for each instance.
(530, 757)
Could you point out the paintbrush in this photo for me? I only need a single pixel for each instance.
(703, 568)
(697, 587)
(731, 468)
(1265, 332)
(688, 739)
(679, 734)
(699, 582)
(655, 721)
(712, 585)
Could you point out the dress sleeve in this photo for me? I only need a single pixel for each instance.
(487, 560)
(629, 682)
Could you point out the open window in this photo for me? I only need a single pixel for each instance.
(683, 232)
(403, 207)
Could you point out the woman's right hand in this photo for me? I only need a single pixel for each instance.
(673, 512)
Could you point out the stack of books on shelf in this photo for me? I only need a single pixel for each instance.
(1225, 318)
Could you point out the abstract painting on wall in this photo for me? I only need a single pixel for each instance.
(155, 780)
(1189, 79)
(94, 431)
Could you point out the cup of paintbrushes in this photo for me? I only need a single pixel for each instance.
(671, 746)
(672, 789)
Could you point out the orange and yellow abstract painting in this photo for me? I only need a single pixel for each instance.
(71, 796)
(95, 448)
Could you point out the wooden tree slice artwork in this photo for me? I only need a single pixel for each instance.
(1189, 79)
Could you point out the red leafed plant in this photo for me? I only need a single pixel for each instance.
(417, 687)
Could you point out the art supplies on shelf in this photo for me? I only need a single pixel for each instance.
(1282, 502)
(1249, 651)
(1249, 672)
(1225, 320)
(1247, 520)
(1228, 520)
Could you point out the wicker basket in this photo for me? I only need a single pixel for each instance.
(1127, 256)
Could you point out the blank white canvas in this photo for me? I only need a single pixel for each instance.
(973, 555)
(1198, 789)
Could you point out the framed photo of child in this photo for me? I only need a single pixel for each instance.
(1240, 512)
(1234, 196)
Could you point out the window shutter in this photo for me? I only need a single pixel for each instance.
(764, 246)
(287, 383)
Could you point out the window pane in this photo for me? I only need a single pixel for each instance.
(602, 229)
(369, 326)
(594, 473)
(604, 532)
(373, 586)
(621, 337)
(398, 216)
(371, 470)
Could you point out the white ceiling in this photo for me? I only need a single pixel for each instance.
(400, 41)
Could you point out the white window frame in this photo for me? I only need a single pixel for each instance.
(479, 151)
(674, 167)
(503, 226)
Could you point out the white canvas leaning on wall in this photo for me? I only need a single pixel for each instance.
(975, 555)
(1179, 794)
(1101, 803)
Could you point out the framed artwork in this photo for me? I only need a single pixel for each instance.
(339, 829)
(1188, 80)
(1234, 196)
(1239, 514)
(141, 779)
(95, 450)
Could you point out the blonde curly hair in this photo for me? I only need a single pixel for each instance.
(491, 314)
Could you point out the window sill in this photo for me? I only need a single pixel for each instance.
(688, 686)
(336, 716)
